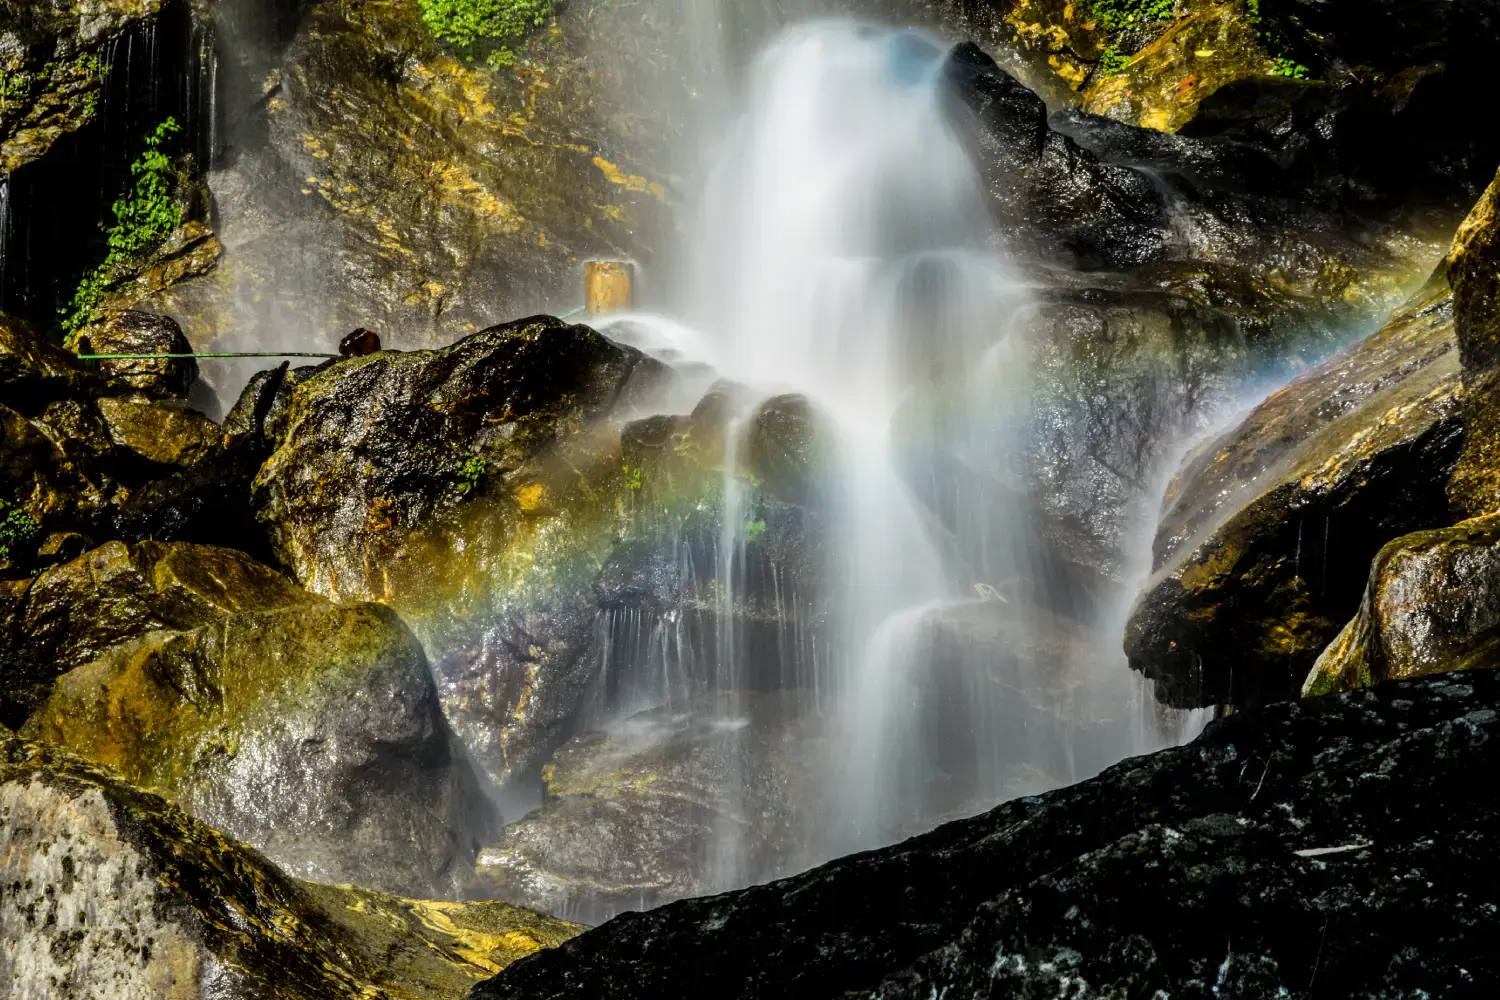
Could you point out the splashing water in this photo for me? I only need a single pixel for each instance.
(844, 252)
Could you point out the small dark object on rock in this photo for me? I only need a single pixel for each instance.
(360, 343)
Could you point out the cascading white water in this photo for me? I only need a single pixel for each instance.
(842, 253)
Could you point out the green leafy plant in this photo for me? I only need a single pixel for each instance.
(1113, 15)
(144, 217)
(1282, 66)
(633, 476)
(1111, 61)
(486, 27)
(18, 530)
(470, 474)
(753, 531)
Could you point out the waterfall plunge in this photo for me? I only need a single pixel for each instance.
(843, 253)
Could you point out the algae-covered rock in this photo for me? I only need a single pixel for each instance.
(161, 433)
(212, 678)
(1243, 846)
(312, 731)
(112, 891)
(509, 177)
(1474, 269)
(33, 370)
(1432, 605)
(1160, 85)
(131, 332)
(74, 613)
(675, 802)
(373, 449)
(1261, 551)
(51, 68)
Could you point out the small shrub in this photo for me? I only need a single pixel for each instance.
(753, 531)
(475, 27)
(144, 217)
(1113, 15)
(18, 531)
(470, 474)
(1111, 61)
(1282, 66)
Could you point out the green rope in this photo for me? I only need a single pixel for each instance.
(247, 354)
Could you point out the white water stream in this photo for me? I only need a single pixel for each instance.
(843, 250)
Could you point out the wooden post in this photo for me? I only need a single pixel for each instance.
(608, 286)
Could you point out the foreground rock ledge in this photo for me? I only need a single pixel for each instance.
(1343, 842)
(109, 891)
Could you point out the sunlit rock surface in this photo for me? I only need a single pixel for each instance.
(129, 332)
(311, 731)
(1474, 489)
(1262, 549)
(1275, 851)
(112, 891)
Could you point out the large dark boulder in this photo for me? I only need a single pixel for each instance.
(112, 891)
(1339, 841)
(1267, 532)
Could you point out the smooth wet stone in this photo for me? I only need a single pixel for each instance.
(1341, 840)
(1263, 545)
(1474, 269)
(312, 732)
(1432, 606)
(112, 891)
(161, 433)
(131, 332)
(33, 370)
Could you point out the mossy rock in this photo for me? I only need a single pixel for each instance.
(1432, 606)
(131, 332)
(1261, 551)
(160, 433)
(111, 890)
(51, 69)
(1161, 85)
(210, 678)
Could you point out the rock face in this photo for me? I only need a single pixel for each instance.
(1261, 552)
(1474, 489)
(671, 803)
(50, 61)
(1276, 824)
(112, 891)
(1431, 607)
(311, 731)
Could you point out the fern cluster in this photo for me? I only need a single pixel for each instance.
(144, 217)
(1113, 15)
(493, 25)
(18, 530)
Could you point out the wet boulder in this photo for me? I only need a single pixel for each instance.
(212, 678)
(1432, 606)
(675, 802)
(312, 732)
(1244, 846)
(160, 433)
(111, 890)
(1262, 548)
(131, 332)
(374, 448)
(73, 613)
